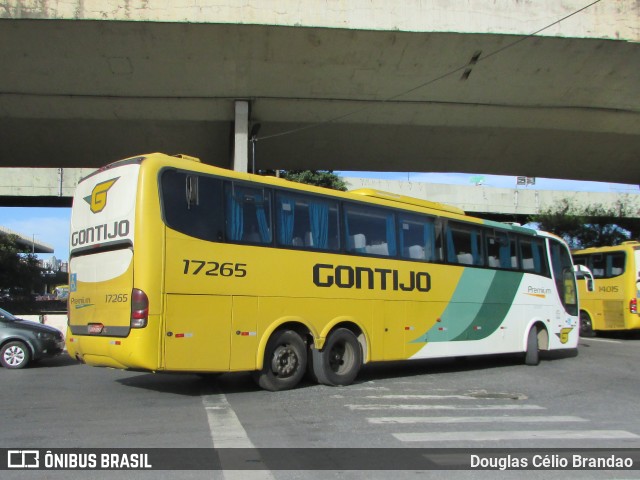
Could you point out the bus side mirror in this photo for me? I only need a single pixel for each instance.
(583, 273)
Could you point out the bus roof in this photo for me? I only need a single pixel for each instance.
(369, 192)
(632, 244)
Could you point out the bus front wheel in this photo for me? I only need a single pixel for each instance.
(340, 360)
(532, 355)
(285, 362)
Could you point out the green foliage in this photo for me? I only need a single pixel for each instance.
(319, 178)
(592, 226)
(18, 270)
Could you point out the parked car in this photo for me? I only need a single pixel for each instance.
(23, 341)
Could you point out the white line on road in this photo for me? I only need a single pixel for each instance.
(443, 407)
(477, 419)
(423, 397)
(228, 432)
(480, 436)
(604, 340)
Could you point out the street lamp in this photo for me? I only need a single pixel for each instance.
(254, 138)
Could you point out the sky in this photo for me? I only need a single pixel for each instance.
(51, 225)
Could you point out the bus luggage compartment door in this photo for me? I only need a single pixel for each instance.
(197, 333)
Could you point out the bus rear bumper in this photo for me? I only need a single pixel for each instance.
(138, 351)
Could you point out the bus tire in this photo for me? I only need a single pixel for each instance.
(285, 362)
(340, 361)
(532, 355)
(586, 325)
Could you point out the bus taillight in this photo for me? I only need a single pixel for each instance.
(139, 308)
(633, 305)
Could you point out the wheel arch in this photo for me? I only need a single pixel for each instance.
(25, 341)
(542, 333)
(352, 325)
(297, 324)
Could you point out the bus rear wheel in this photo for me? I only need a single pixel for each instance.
(285, 362)
(340, 360)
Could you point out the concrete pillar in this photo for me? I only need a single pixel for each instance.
(241, 137)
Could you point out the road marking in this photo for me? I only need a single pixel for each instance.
(444, 407)
(486, 419)
(422, 397)
(481, 436)
(604, 340)
(228, 432)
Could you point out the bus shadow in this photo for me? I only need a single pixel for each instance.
(195, 385)
(626, 335)
(400, 369)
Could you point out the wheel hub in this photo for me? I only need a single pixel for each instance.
(14, 356)
(285, 361)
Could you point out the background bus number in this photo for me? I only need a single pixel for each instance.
(215, 269)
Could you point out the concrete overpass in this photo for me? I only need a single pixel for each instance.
(402, 85)
(26, 243)
(55, 187)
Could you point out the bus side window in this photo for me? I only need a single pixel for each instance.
(615, 264)
(370, 230)
(532, 256)
(191, 204)
(248, 214)
(306, 221)
(501, 250)
(419, 238)
(464, 244)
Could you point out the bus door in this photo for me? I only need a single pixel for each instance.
(564, 277)
(197, 332)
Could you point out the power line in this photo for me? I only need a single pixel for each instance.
(429, 82)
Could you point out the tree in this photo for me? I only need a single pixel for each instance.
(18, 270)
(319, 178)
(593, 225)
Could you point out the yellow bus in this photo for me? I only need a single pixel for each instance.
(613, 303)
(184, 267)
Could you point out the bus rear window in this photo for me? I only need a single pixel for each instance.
(607, 265)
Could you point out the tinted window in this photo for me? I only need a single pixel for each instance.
(370, 230)
(532, 256)
(306, 221)
(248, 211)
(464, 244)
(501, 250)
(420, 238)
(564, 277)
(607, 265)
(192, 204)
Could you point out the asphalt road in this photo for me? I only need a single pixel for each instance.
(589, 400)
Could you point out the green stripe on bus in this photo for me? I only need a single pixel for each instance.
(466, 303)
(495, 306)
(477, 308)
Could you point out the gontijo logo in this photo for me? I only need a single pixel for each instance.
(98, 198)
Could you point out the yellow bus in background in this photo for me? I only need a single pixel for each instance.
(184, 267)
(613, 303)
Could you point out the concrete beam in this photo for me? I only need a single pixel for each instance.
(29, 183)
(40, 182)
(617, 20)
(358, 85)
(490, 200)
(28, 243)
